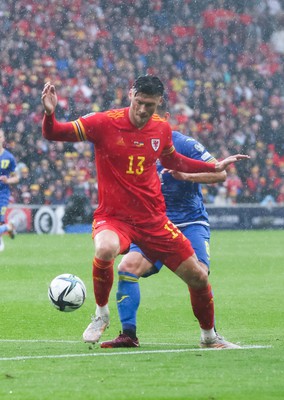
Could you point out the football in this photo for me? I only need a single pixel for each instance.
(67, 292)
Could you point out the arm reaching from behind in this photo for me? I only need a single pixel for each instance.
(201, 177)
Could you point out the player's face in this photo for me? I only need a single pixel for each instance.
(142, 107)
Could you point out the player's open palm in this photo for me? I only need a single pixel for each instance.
(222, 165)
(49, 98)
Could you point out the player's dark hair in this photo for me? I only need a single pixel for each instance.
(148, 84)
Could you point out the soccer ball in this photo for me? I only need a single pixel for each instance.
(67, 292)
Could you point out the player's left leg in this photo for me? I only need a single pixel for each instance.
(179, 256)
(202, 304)
(199, 235)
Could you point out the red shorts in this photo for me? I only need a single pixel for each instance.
(163, 242)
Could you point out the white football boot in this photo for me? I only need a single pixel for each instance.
(96, 328)
(218, 343)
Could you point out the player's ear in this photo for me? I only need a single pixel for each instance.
(167, 116)
(130, 94)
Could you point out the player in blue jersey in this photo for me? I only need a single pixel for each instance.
(185, 208)
(8, 177)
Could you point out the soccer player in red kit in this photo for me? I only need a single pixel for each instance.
(131, 207)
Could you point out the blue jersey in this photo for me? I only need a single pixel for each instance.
(7, 167)
(184, 200)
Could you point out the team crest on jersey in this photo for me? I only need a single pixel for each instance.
(155, 144)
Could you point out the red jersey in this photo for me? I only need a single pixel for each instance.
(129, 186)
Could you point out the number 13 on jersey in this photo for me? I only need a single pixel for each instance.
(135, 165)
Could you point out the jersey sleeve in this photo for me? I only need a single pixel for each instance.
(169, 145)
(87, 127)
(194, 149)
(92, 126)
(178, 162)
(62, 131)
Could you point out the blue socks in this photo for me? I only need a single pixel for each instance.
(128, 300)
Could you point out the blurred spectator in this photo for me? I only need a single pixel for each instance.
(268, 201)
(222, 199)
(280, 197)
(36, 194)
(57, 197)
(233, 183)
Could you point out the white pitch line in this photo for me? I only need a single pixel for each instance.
(120, 353)
(38, 341)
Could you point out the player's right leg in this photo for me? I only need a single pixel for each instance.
(131, 267)
(109, 242)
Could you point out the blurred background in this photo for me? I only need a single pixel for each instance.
(222, 66)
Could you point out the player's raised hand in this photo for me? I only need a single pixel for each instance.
(222, 165)
(49, 98)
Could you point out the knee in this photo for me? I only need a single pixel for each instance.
(127, 266)
(201, 279)
(105, 251)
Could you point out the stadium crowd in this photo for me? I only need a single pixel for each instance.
(221, 62)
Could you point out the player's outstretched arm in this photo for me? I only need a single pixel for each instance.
(222, 165)
(178, 162)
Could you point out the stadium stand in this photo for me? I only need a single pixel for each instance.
(221, 61)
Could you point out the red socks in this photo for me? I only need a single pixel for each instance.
(102, 280)
(203, 306)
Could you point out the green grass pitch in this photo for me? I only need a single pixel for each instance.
(42, 356)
